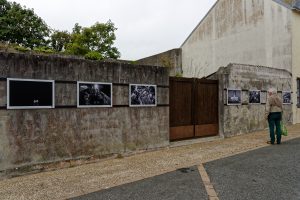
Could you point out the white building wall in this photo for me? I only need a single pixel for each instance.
(296, 62)
(256, 32)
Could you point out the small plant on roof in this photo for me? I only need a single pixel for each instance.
(178, 74)
(93, 55)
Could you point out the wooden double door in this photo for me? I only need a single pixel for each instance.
(193, 108)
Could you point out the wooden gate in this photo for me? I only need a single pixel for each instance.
(193, 108)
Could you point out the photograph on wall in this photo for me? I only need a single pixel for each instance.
(234, 97)
(30, 93)
(254, 96)
(94, 94)
(286, 97)
(142, 95)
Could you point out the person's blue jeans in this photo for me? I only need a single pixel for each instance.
(274, 121)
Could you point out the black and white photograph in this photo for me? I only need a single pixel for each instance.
(234, 97)
(94, 94)
(142, 95)
(30, 93)
(254, 96)
(286, 97)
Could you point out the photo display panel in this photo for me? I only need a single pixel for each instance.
(142, 95)
(94, 94)
(286, 97)
(29, 93)
(254, 97)
(234, 97)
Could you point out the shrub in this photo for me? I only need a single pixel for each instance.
(21, 48)
(46, 50)
(93, 55)
(178, 74)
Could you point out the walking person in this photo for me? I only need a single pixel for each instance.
(274, 115)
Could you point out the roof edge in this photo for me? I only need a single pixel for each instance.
(257, 66)
(284, 4)
(200, 23)
(288, 6)
(174, 49)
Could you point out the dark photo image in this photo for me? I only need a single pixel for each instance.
(142, 95)
(94, 94)
(254, 96)
(286, 97)
(30, 94)
(234, 97)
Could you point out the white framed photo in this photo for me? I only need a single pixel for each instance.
(94, 94)
(254, 97)
(141, 95)
(30, 93)
(234, 97)
(286, 97)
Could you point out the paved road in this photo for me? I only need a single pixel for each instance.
(182, 184)
(268, 173)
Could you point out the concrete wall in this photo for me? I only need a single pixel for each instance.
(296, 62)
(35, 136)
(245, 118)
(256, 32)
(170, 59)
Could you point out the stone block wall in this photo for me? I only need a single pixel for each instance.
(245, 118)
(29, 137)
(170, 59)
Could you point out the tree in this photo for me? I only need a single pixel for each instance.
(21, 26)
(59, 40)
(4, 6)
(98, 38)
(77, 29)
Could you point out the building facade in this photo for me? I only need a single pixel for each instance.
(258, 32)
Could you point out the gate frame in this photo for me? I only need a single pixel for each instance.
(194, 82)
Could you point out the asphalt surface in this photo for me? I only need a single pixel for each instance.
(272, 172)
(182, 184)
(268, 173)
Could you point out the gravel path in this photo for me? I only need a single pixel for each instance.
(76, 181)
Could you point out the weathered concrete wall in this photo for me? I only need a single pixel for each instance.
(245, 118)
(35, 136)
(296, 62)
(256, 32)
(170, 59)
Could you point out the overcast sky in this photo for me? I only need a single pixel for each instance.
(145, 27)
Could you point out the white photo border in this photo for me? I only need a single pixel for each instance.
(29, 107)
(95, 106)
(129, 96)
(234, 104)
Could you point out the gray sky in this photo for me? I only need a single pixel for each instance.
(145, 27)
